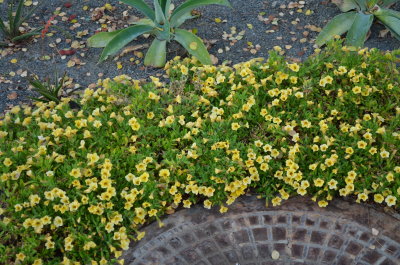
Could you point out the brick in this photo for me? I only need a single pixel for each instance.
(263, 251)
(278, 233)
(254, 220)
(175, 243)
(317, 237)
(310, 222)
(371, 256)
(248, 252)
(297, 251)
(335, 242)
(241, 236)
(201, 263)
(190, 255)
(241, 222)
(325, 225)
(388, 261)
(267, 219)
(365, 237)
(281, 248)
(329, 256)
(172, 261)
(226, 224)
(222, 240)
(353, 248)
(232, 256)
(300, 234)
(313, 253)
(296, 219)
(260, 234)
(345, 260)
(188, 238)
(207, 247)
(217, 260)
(281, 219)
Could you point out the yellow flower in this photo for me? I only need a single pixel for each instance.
(294, 67)
(76, 173)
(207, 204)
(322, 203)
(390, 200)
(318, 182)
(276, 201)
(223, 209)
(7, 162)
(20, 256)
(235, 126)
(361, 144)
(164, 173)
(384, 154)
(187, 203)
(378, 198)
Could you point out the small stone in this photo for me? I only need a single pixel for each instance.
(375, 232)
(275, 255)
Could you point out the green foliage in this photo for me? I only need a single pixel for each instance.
(78, 185)
(357, 23)
(163, 25)
(15, 19)
(50, 90)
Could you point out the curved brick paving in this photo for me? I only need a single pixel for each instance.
(343, 233)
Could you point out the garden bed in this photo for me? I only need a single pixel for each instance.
(264, 24)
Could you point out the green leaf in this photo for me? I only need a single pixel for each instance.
(183, 18)
(157, 53)
(142, 7)
(345, 5)
(392, 23)
(337, 26)
(387, 12)
(189, 5)
(387, 3)
(160, 18)
(123, 38)
(194, 45)
(27, 16)
(359, 30)
(100, 40)
(145, 21)
(362, 4)
(27, 35)
(17, 18)
(3, 27)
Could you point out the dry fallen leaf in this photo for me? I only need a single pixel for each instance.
(12, 96)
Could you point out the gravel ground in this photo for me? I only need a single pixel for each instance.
(279, 25)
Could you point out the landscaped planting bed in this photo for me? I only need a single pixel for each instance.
(78, 184)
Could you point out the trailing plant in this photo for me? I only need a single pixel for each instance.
(78, 186)
(163, 25)
(357, 19)
(11, 28)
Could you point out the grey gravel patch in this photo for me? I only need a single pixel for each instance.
(242, 13)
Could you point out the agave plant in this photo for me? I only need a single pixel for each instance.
(357, 20)
(163, 25)
(11, 28)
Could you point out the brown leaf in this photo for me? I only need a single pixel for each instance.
(134, 48)
(383, 33)
(12, 96)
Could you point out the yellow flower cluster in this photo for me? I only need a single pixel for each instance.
(83, 182)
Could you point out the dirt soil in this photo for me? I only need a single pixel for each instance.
(248, 30)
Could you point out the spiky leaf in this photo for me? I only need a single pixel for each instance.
(359, 29)
(142, 7)
(100, 40)
(194, 45)
(123, 38)
(160, 18)
(157, 53)
(392, 23)
(189, 5)
(337, 26)
(345, 5)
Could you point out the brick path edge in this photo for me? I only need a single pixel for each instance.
(301, 232)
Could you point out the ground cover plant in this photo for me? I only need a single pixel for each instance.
(164, 25)
(77, 185)
(357, 20)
